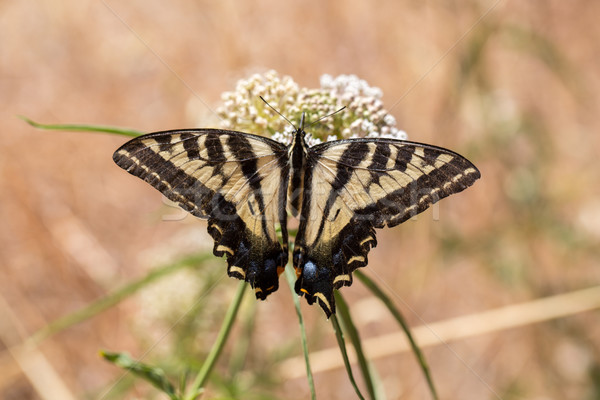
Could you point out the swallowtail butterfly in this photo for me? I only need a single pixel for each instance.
(341, 191)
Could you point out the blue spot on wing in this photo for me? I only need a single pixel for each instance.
(310, 270)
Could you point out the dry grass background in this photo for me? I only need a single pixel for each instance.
(512, 85)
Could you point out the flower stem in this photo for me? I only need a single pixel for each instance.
(196, 388)
(311, 384)
(342, 345)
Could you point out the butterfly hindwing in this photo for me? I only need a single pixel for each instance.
(236, 180)
(352, 187)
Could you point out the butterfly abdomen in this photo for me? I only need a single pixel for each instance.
(297, 160)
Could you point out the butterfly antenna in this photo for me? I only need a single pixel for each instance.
(326, 116)
(280, 114)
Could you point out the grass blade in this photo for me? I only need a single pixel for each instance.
(291, 278)
(83, 128)
(352, 332)
(372, 286)
(342, 344)
(196, 388)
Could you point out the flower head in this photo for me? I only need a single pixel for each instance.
(364, 115)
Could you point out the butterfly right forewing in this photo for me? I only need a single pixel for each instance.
(355, 186)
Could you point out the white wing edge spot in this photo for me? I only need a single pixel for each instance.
(237, 270)
(456, 178)
(322, 297)
(225, 249)
(356, 258)
(369, 239)
(344, 277)
(217, 227)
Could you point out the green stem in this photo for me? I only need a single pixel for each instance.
(342, 344)
(83, 128)
(350, 329)
(291, 279)
(196, 388)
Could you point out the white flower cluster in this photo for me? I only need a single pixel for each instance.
(364, 103)
(349, 86)
(244, 110)
(364, 115)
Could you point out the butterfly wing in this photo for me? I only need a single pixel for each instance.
(236, 180)
(354, 186)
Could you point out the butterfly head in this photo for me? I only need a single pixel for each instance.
(299, 138)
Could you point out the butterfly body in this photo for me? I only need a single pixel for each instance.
(340, 191)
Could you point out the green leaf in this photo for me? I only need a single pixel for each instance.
(291, 279)
(342, 344)
(352, 332)
(372, 286)
(154, 375)
(83, 128)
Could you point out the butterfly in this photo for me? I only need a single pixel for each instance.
(341, 191)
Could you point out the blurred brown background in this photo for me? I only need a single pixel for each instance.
(514, 86)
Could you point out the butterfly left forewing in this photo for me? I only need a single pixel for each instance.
(354, 186)
(237, 181)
